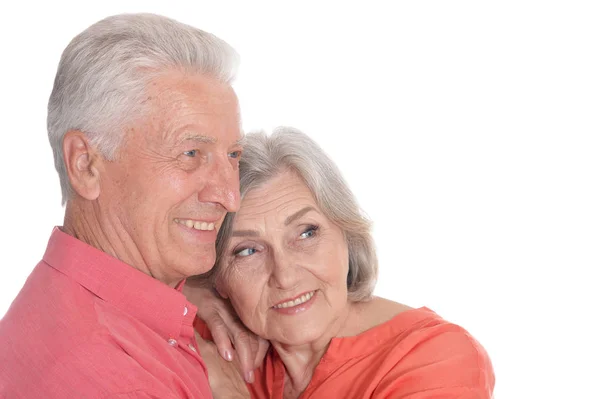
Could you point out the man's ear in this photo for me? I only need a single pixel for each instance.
(83, 164)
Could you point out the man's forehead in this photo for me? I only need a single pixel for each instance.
(170, 85)
(194, 108)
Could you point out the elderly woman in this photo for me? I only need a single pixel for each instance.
(298, 264)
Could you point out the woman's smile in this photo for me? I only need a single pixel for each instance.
(296, 305)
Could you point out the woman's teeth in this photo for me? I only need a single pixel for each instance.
(295, 302)
(195, 224)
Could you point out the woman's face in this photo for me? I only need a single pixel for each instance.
(285, 267)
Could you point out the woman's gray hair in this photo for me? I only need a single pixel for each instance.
(264, 157)
(102, 76)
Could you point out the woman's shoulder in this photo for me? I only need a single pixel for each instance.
(404, 324)
(378, 311)
(374, 312)
(444, 357)
(413, 334)
(411, 345)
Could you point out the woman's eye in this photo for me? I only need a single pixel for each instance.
(191, 153)
(245, 252)
(235, 154)
(310, 232)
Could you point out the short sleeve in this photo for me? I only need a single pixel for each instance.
(450, 365)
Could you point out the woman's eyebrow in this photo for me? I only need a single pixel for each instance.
(298, 214)
(288, 220)
(245, 233)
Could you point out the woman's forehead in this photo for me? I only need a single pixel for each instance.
(280, 197)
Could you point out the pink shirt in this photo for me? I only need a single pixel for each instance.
(86, 325)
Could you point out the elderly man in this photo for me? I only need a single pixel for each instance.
(145, 131)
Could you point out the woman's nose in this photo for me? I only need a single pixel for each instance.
(285, 271)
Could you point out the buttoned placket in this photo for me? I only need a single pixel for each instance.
(190, 348)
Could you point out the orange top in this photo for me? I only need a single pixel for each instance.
(415, 355)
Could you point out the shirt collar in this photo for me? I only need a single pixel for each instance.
(155, 304)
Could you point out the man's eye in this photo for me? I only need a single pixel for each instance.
(245, 252)
(235, 154)
(191, 153)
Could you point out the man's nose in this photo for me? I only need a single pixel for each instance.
(222, 185)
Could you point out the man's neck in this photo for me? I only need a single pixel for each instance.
(84, 221)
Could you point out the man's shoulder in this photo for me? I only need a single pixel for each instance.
(53, 327)
(72, 343)
(49, 304)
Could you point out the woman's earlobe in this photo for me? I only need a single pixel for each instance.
(82, 164)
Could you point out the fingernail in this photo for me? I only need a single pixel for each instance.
(227, 355)
(250, 377)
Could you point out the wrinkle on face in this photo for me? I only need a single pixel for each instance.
(259, 203)
(210, 98)
(152, 181)
(319, 262)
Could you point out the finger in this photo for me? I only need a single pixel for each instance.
(261, 352)
(220, 335)
(245, 344)
(216, 314)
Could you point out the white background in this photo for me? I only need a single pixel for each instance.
(469, 131)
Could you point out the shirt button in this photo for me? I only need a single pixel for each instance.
(191, 346)
(185, 310)
(172, 342)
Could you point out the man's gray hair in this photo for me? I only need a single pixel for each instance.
(102, 76)
(264, 157)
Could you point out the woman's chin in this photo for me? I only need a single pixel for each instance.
(302, 324)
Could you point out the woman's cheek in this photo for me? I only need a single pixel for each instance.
(242, 288)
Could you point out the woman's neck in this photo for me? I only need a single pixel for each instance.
(300, 361)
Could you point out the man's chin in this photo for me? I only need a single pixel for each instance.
(199, 264)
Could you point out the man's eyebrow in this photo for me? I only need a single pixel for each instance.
(201, 138)
(198, 137)
(245, 233)
(298, 214)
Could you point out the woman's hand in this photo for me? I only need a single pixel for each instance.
(226, 329)
(223, 376)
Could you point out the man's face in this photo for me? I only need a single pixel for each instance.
(175, 177)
